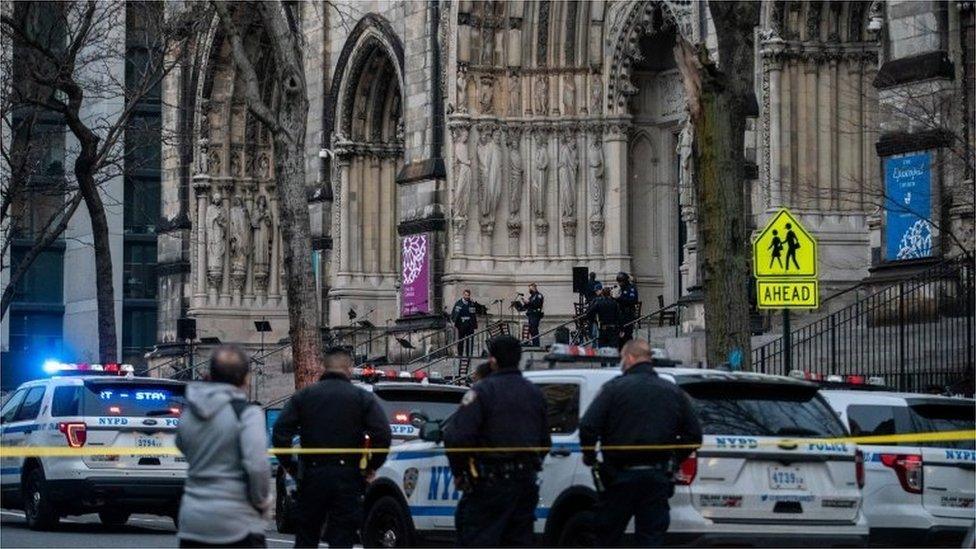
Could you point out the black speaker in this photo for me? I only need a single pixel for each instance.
(186, 328)
(580, 276)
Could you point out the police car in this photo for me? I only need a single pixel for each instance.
(90, 406)
(754, 481)
(916, 493)
(403, 399)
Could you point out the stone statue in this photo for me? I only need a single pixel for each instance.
(489, 175)
(216, 224)
(486, 94)
(540, 172)
(541, 95)
(567, 171)
(595, 163)
(240, 236)
(516, 173)
(596, 94)
(462, 89)
(487, 45)
(263, 235)
(462, 173)
(514, 95)
(684, 146)
(569, 95)
(264, 166)
(214, 163)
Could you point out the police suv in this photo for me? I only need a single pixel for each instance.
(90, 406)
(754, 481)
(403, 399)
(916, 493)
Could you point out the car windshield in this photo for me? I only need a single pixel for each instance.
(129, 399)
(398, 404)
(762, 409)
(928, 418)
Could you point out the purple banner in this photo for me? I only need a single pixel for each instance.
(415, 272)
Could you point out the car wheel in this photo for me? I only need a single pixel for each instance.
(578, 531)
(113, 518)
(387, 524)
(39, 510)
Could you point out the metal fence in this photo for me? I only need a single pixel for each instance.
(916, 335)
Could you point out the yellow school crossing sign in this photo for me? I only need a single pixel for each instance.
(784, 261)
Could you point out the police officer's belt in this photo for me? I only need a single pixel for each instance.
(330, 461)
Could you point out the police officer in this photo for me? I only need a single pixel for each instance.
(593, 288)
(628, 306)
(504, 410)
(533, 312)
(606, 313)
(637, 483)
(332, 413)
(465, 319)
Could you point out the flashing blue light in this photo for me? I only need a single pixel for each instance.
(51, 367)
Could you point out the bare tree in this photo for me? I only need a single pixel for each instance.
(285, 118)
(719, 96)
(79, 73)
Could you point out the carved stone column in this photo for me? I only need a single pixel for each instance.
(541, 166)
(201, 185)
(274, 284)
(596, 175)
(615, 147)
(772, 51)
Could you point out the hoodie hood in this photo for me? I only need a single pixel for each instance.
(206, 399)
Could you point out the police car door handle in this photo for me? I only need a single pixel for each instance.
(560, 452)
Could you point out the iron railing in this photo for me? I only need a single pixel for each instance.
(916, 334)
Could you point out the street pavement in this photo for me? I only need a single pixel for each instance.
(86, 531)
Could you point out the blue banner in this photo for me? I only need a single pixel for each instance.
(908, 206)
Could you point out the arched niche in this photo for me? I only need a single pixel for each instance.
(236, 244)
(365, 117)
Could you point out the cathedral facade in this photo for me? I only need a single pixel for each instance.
(488, 144)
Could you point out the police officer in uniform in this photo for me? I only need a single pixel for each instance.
(637, 483)
(628, 306)
(593, 288)
(533, 312)
(504, 410)
(332, 413)
(606, 313)
(465, 319)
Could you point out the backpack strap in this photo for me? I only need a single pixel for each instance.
(239, 405)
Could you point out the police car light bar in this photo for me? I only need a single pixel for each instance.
(54, 367)
(849, 379)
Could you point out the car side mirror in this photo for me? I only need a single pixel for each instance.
(431, 431)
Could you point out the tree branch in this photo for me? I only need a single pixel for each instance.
(46, 238)
(252, 90)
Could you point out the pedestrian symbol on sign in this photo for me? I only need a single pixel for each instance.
(784, 248)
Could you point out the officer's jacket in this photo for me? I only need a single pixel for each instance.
(502, 410)
(640, 408)
(464, 315)
(533, 307)
(628, 302)
(605, 311)
(333, 413)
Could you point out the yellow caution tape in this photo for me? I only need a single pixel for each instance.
(91, 450)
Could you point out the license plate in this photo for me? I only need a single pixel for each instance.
(149, 442)
(786, 478)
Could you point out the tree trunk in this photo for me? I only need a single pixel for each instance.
(296, 236)
(104, 282)
(725, 257)
(718, 103)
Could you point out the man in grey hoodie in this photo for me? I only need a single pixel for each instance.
(227, 491)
